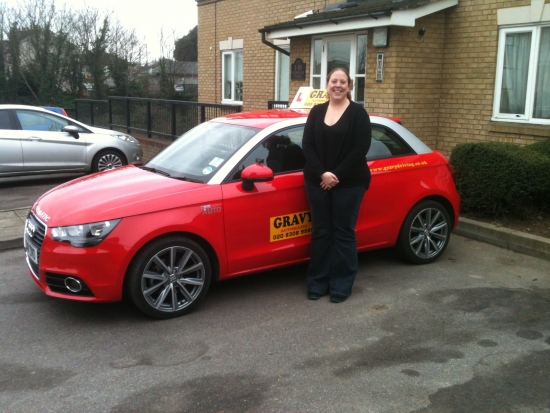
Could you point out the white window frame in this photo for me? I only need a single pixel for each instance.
(527, 116)
(352, 37)
(278, 58)
(232, 99)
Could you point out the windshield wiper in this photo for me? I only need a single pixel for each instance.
(184, 178)
(154, 170)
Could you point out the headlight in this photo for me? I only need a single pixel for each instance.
(85, 235)
(126, 138)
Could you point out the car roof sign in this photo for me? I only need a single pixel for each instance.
(307, 97)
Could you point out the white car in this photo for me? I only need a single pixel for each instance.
(37, 141)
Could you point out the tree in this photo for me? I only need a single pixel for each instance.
(42, 51)
(3, 46)
(125, 55)
(92, 39)
(186, 49)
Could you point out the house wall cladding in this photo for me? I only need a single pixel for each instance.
(441, 84)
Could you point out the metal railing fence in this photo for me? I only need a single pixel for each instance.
(165, 118)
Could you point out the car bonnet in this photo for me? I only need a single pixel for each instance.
(118, 193)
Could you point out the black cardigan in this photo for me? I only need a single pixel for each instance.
(351, 163)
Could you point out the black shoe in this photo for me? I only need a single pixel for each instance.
(336, 298)
(314, 296)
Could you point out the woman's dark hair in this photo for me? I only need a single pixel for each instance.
(350, 80)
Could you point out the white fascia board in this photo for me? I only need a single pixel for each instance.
(398, 18)
(432, 8)
(408, 17)
(537, 12)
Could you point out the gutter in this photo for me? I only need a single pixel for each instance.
(272, 45)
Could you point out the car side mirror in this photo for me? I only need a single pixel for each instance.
(255, 173)
(73, 130)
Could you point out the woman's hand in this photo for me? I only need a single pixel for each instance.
(328, 180)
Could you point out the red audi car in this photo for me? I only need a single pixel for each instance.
(225, 199)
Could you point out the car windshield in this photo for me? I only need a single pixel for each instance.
(199, 153)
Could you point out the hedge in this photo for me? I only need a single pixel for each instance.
(542, 147)
(497, 178)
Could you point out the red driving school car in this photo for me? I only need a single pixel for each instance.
(225, 199)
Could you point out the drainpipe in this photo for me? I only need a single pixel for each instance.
(273, 46)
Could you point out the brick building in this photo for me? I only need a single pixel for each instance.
(453, 70)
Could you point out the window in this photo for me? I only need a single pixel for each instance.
(386, 144)
(348, 51)
(522, 91)
(38, 121)
(282, 83)
(282, 152)
(5, 120)
(232, 76)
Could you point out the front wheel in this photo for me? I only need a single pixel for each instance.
(425, 233)
(108, 159)
(169, 277)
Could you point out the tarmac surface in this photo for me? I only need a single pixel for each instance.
(12, 223)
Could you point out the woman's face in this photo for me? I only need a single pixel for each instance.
(338, 86)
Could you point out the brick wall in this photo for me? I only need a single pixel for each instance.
(468, 79)
(411, 87)
(150, 146)
(241, 19)
(441, 84)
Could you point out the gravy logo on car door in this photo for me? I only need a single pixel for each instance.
(289, 226)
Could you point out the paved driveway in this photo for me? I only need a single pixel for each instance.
(19, 192)
(469, 333)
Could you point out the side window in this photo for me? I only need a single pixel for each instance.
(282, 152)
(40, 121)
(386, 144)
(5, 120)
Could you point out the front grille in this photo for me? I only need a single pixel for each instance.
(35, 231)
(56, 282)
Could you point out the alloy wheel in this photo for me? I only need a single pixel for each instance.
(428, 233)
(173, 279)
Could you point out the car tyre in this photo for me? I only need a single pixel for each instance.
(169, 277)
(108, 159)
(425, 233)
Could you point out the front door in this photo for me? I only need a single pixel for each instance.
(269, 225)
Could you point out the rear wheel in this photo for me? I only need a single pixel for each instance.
(425, 232)
(169, 277)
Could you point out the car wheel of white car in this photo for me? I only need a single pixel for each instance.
(169, 277)
(108, 159)
(425, 232)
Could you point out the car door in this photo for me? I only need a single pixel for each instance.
(11, 154)
(44, 144)
(269, 225)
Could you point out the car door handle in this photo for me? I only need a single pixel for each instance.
(34, 138)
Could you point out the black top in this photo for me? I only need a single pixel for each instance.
(341, 148)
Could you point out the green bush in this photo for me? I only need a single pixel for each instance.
(499, 178)
(542, 147)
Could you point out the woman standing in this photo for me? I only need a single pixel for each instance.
(337, 137)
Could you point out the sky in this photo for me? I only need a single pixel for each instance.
(148, 18)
